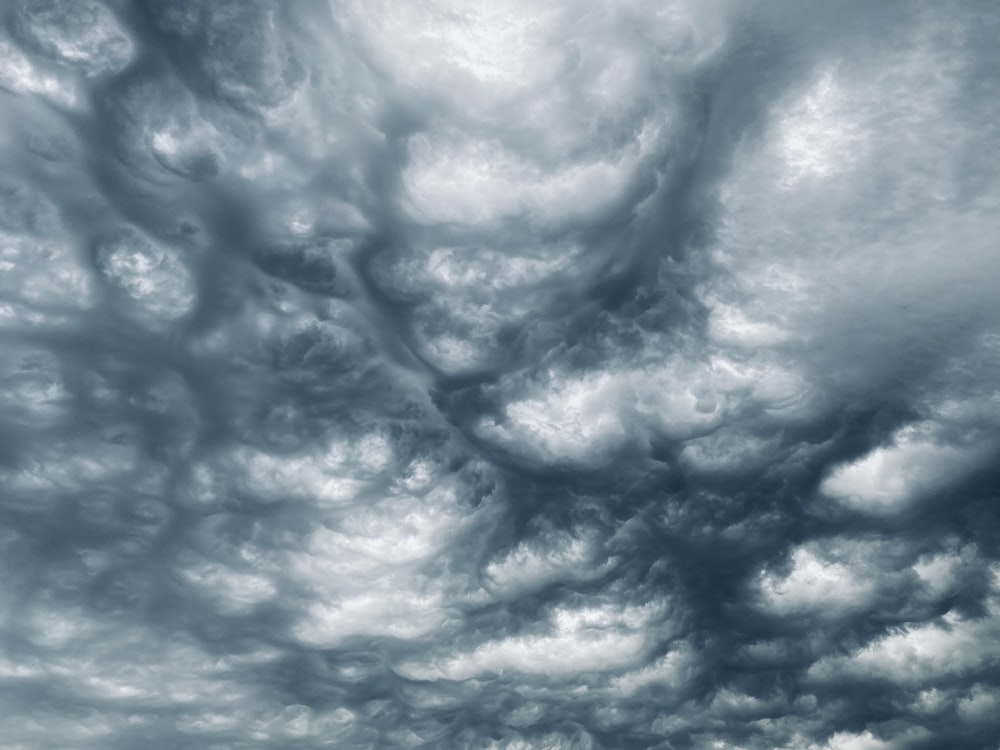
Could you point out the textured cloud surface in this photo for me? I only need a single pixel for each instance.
(499, 375)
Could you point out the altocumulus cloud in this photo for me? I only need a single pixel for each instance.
(499, 375)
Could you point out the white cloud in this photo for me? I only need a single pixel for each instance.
(830, 588)
(889, 479)
(575, 641)
(921, 654)
(83, 34)
(154, 277)
(560, 556)
(20, 75)
(672, 670)
(453, 178)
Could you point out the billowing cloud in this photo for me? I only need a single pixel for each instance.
(499, 375)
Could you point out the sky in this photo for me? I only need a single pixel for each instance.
(499, 375)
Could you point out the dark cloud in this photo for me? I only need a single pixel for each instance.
(437, 374)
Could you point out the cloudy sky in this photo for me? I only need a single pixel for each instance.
(499, 374)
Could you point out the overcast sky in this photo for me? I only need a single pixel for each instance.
(500, 374)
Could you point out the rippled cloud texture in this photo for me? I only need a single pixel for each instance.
(499, 375)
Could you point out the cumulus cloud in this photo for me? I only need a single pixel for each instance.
(499, 375)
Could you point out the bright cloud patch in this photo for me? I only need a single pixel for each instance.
(891, 478)
(154, 278)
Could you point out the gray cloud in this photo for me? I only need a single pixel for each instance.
(603, 375)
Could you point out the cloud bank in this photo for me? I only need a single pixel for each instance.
(499, 375)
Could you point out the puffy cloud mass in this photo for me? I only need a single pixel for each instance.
(500, 375)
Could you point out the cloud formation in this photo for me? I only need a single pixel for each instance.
(499, 376)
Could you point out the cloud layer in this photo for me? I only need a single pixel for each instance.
(499, 375)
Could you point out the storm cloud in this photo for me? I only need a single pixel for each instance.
(499, 375)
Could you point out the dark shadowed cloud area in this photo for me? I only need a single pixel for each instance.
(499, 375)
